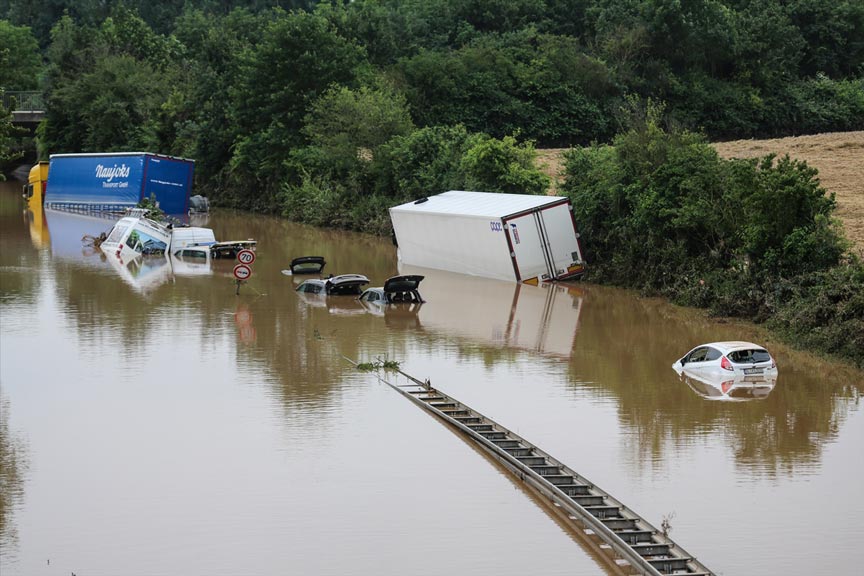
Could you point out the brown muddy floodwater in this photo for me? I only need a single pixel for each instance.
(153, 422)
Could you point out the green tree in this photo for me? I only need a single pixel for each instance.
(492, 165)
(346, 127)
(20, 61)
(833, 33)
(425, 162)
(8, 132)
(545, 87)
(661, 208)
(348, 121)
(106, 86)
(200, 116)
(299, 57)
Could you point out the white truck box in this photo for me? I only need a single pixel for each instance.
(518, 237)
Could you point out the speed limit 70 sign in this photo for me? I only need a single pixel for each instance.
(242, 272)
(246, 256)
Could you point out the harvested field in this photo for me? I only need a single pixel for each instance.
(839, 157)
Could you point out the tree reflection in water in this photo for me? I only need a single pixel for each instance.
(12, 467)
(781, 434)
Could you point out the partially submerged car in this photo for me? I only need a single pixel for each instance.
(308, 265)
(728, 359)
(342, 285)
(398, 289)
(729, 387)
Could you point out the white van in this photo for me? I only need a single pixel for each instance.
(190, 236)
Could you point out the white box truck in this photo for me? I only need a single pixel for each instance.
(518, 237)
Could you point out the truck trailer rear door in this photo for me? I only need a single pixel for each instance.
(544, 244)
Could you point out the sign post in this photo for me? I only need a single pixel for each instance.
(243, 270)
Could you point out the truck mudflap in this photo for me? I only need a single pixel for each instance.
(573, 271)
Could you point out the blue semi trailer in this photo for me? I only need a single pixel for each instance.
(117, 181)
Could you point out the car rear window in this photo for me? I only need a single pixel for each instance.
(749, 356)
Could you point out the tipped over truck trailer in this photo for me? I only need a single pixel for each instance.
(117, 181)
(518, 237)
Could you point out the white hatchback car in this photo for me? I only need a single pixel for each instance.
(732, 358)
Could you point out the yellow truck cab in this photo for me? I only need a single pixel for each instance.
(37, 182)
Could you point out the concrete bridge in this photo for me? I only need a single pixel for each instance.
(26, 107)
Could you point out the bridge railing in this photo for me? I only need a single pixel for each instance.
(20, 101)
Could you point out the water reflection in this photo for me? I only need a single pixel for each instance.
(542, 319)
(192, 353)
(728, 387)
(143, 274)
(244, 321)
(340, 305)
(191, 265)
(625, 346)
(39, 234)
(12, 467)
(67, 229)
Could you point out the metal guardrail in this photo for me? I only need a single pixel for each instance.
(24, 101)
(641, 547)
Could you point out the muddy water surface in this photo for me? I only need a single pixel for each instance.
(153, 422)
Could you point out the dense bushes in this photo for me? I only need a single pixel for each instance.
(355, 189)
(663, 213)
(232, 83)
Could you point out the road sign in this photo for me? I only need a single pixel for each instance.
(242, 271)
(246, 256)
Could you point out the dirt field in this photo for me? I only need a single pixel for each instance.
(838, 156)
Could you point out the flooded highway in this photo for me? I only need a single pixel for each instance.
(153, 422)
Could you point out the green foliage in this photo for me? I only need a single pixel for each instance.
(152, 207)
(315, 200)
(125, 32)
(822, 104)
(833, 33)
(347, 121)
(353, 191)
(824, 310)
(299, 57)
(378, 364)
(426, 161)
(493, 165)
(661, 212)
(20, 63)
(112, 107)
(7, 138)
(774, 200)
(106, 86)
(544, 87)
(200, 116)
(349, 126)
